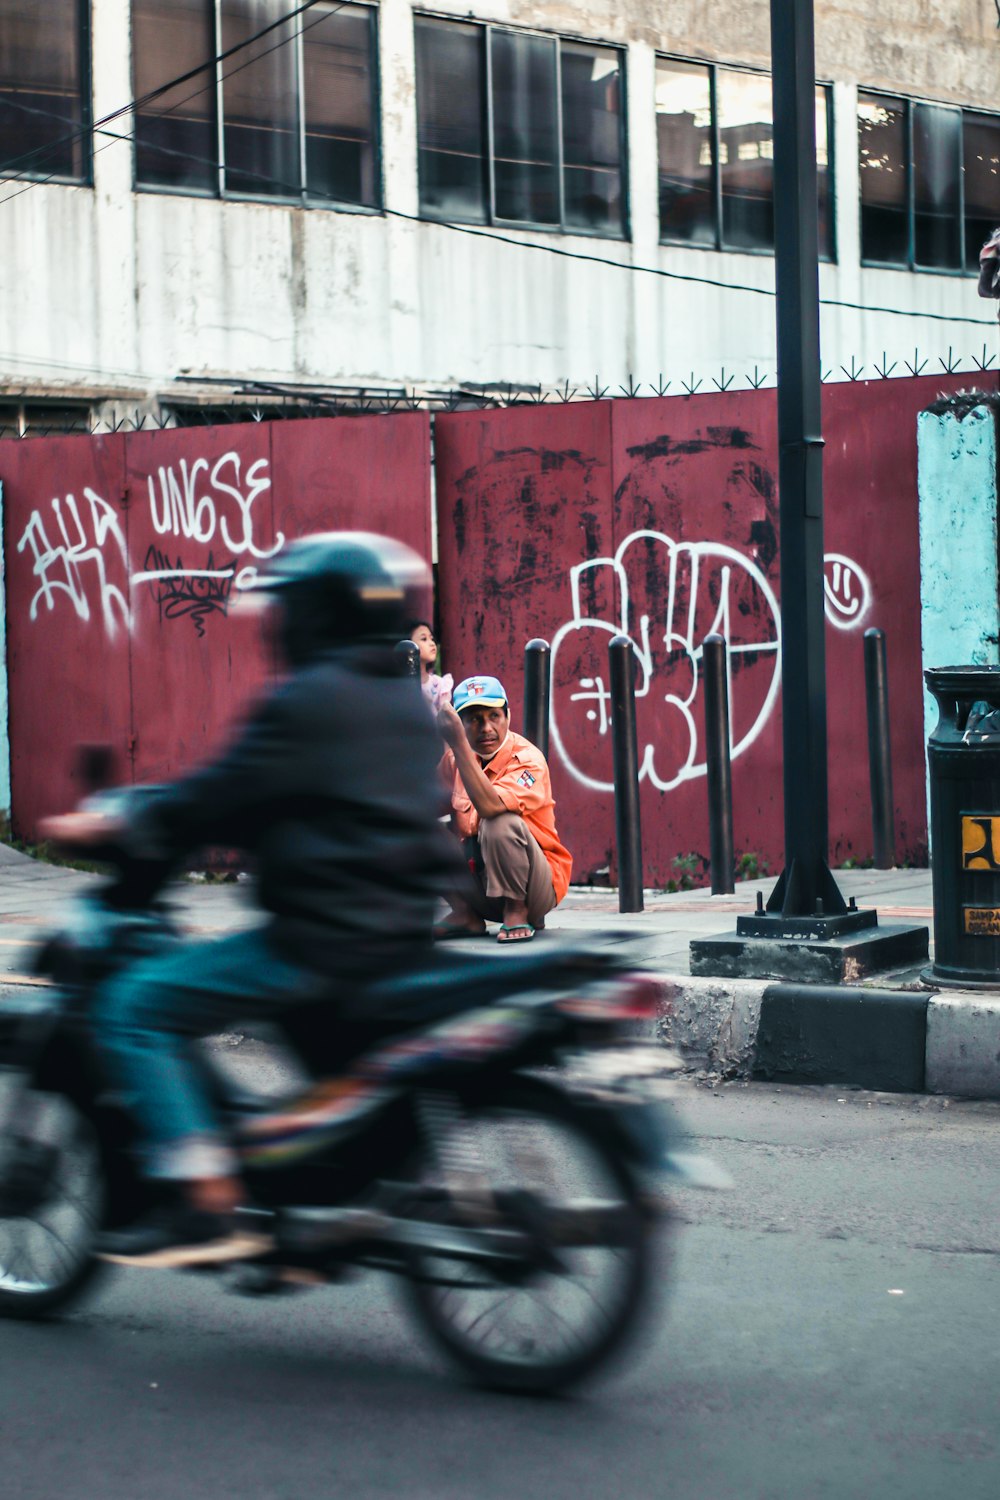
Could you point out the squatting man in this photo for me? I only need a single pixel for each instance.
(504, 813)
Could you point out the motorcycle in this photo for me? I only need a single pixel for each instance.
(495, 1136)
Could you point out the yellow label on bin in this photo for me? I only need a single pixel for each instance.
(981, 841)
(982, 921)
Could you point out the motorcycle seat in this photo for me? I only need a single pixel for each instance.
(445, 983)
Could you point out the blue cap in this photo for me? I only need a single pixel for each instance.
(479, 692)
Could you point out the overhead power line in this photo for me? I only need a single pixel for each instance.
(296, 189)
(162, 114)
(164, 88)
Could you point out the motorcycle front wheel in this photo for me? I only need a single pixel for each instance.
(51, 1206)
(547, 1324)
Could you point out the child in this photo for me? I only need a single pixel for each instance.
(436, 690)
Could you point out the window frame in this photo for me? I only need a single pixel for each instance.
(909, 103)
(972, 112)
(492, 219)
(86, 126)
(303, 198)
(719, 243)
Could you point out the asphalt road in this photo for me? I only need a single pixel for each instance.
(833, 1330)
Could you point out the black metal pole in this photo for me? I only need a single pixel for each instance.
(715, 669)
(536, 694)
(879, 750)
(806, 885)
(408, 658)
(624, 745)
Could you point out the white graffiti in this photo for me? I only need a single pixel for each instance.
(847, 592)
(741, 606)
(185, 508)
(65, 565)
(82, 548)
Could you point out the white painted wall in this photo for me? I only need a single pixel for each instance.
(106, 290)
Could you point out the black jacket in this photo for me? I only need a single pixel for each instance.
(333, 786)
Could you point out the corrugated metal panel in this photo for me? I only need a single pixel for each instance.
(523, 496)
(66, 552)
(661, 516)
(124, 558)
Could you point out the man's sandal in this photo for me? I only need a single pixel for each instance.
(450, 932)
(524, 927)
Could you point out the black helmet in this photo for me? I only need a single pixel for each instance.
(339, 587)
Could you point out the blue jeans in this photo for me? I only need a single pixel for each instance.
(145, 1018)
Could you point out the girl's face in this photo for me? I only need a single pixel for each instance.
(423, 638)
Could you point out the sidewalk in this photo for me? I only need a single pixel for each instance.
(31, 893)
(659, 936)
(890, 1033)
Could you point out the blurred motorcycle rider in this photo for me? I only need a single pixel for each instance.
(326, 785)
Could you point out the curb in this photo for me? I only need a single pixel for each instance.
(894, 1041)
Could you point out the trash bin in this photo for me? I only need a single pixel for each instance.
(964, 759)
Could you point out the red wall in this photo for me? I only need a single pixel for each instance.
(528, 497)
(543, 520)
(157, 668)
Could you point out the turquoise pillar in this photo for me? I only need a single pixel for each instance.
(957, 486)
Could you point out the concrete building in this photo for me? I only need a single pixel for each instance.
(472, 193)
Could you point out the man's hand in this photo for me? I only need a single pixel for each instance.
(80, 830)
(451, 726)
(470, 768)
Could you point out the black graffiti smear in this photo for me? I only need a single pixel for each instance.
(189, 598)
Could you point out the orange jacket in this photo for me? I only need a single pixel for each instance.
(520, 778)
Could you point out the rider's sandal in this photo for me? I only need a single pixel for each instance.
(525, 927)
(170, 1237)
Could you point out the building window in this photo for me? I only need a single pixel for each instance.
(295, 110)
(19, 419)
(175, 135)
(518, 128)
(44, 89)
(930, 175)
(716, 157)
(451, 121)
(980, 181)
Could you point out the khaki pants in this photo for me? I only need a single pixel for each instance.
(514, 869)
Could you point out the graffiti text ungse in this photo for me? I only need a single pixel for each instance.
(201, 502)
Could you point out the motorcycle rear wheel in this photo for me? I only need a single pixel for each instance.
(47, 1241)
(549, 1329)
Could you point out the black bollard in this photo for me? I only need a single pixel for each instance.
(879, 750)
(626, 762)
(536, 694)
(408, 659)
(715, 663)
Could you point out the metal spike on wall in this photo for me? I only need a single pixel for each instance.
(257, 401)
